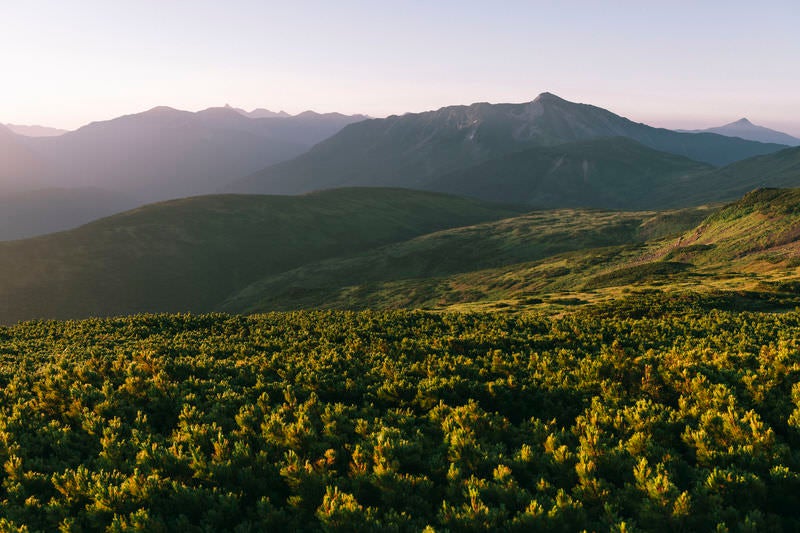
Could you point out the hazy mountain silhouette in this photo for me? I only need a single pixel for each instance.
(260, 113)
(35, 131)
(780, 169)
(413, 149)
(744, 129)
(166, 153)
(31, 213)
(20, 166)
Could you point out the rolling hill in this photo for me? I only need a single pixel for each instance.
(762, 228)
(191, 254)
(42, 211)
(611, 173)
(745, 254)
(358, 281)
(413, 150)
(391, 248)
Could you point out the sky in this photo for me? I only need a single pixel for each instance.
(670, 63)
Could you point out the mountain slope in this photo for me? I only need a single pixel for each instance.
(162, 153)
(610, 173)
(356, 281)
(413, 149)
(779, 169)
(742, 256)
(20, 166)
(761, 227)
(166, 153)
(189, 255)
(744, 129)
(30, 213)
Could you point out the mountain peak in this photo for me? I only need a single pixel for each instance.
(162, 111)
(548, 97)
(743, 122)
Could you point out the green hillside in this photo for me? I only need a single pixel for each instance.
(612, 173)
(189, 255)
(746, 254)
(348, 282)
(780, 169)
(761, 230)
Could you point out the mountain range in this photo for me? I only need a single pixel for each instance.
(744, 129)
(35, 131)
(415, 150)
(547, 153)
(167, 153)
(160, 154)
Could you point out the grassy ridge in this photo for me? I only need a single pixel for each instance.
(189, 255)
(343, 282)
(744, 251)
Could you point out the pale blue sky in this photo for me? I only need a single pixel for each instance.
(671, 63)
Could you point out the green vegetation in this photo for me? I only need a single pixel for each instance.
(620, 419)
(364, 280)
(749, 246)
(639, 371)
(191, 254)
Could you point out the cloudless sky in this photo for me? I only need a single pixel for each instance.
(670, 63)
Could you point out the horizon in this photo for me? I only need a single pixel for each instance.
(671, 124)
(679, 66)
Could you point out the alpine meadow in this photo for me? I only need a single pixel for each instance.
(433, 267)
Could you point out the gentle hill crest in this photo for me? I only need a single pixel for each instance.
(189, 255)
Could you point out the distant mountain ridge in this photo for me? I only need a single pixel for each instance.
(413, 150)
(19, 163)
(38, 212)
(35, 131)
(744, 129)
(266, 113)
(167, 153)
(52, 183)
